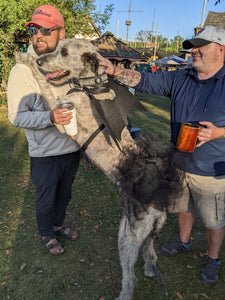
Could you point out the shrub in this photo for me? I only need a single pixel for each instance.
(3, 99)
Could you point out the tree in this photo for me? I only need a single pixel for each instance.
(15, 13)
(145, 36)
(101, 20)
(176, 43)
(217, 2)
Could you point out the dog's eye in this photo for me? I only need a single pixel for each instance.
(64, 52)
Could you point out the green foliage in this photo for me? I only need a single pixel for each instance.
(217, 2)
(3, 99)
(101, 20)
(146, 37)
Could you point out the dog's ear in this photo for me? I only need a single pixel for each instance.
(91, 60)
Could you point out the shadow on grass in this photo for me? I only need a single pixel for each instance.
(87, 268)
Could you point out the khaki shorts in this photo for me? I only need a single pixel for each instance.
(205, 193)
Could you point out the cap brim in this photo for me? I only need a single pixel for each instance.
(42, 23)
(188, 44)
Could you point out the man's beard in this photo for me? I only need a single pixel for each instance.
(47, 50)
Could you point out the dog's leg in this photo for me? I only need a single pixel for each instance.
(130, 242)
(149, 255)
(148, 248)
(128, 252)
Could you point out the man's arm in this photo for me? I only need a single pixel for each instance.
(25, 106)
(128, 77)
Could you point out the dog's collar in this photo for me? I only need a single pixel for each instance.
(92, 80)
(91, 85)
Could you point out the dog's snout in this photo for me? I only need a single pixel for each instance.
(39, 62)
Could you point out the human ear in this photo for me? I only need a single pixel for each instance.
(62, 33)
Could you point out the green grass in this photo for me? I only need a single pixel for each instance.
(89, 268)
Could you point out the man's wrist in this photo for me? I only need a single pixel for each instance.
(222, 136)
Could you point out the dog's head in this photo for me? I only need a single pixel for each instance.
(73, 58)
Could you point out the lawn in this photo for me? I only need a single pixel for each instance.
(89, 268)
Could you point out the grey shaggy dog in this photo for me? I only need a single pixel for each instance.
(141, 168)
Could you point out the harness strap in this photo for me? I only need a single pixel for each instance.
(94, 134)
(101, 113)
(103, 87)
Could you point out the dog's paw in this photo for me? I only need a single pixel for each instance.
(149, 273)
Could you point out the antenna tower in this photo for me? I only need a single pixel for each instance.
(128, 22)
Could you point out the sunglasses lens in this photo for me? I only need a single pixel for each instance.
(45, 31)
(33, 30)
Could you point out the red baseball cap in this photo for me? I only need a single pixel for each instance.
(46, 16)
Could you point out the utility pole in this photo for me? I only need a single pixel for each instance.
(117, 30)
(167, 44)
(145, 39)
(128, 22)
(152, 25)
(177, 40)
(156, 40)
(203, 13)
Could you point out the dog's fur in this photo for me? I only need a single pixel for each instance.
(141, 168)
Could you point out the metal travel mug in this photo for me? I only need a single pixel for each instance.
(187, 138)
(71, 128)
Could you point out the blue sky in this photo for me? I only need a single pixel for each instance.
(170, 15)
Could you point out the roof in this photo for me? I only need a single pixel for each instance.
(215, 19)
(177, 59)
(112, 48)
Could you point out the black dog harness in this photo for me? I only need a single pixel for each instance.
(92, 86)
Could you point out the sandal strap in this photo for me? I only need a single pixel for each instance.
(47, 239)
(62, 232)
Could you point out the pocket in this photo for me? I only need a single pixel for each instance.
(219, 206)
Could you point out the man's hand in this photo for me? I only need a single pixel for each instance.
(60, 116)
(208, 132)
(109, 67)
(126, 76)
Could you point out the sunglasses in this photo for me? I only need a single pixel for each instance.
(43, 31)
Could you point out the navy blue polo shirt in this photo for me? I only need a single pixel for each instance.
(193, 100)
